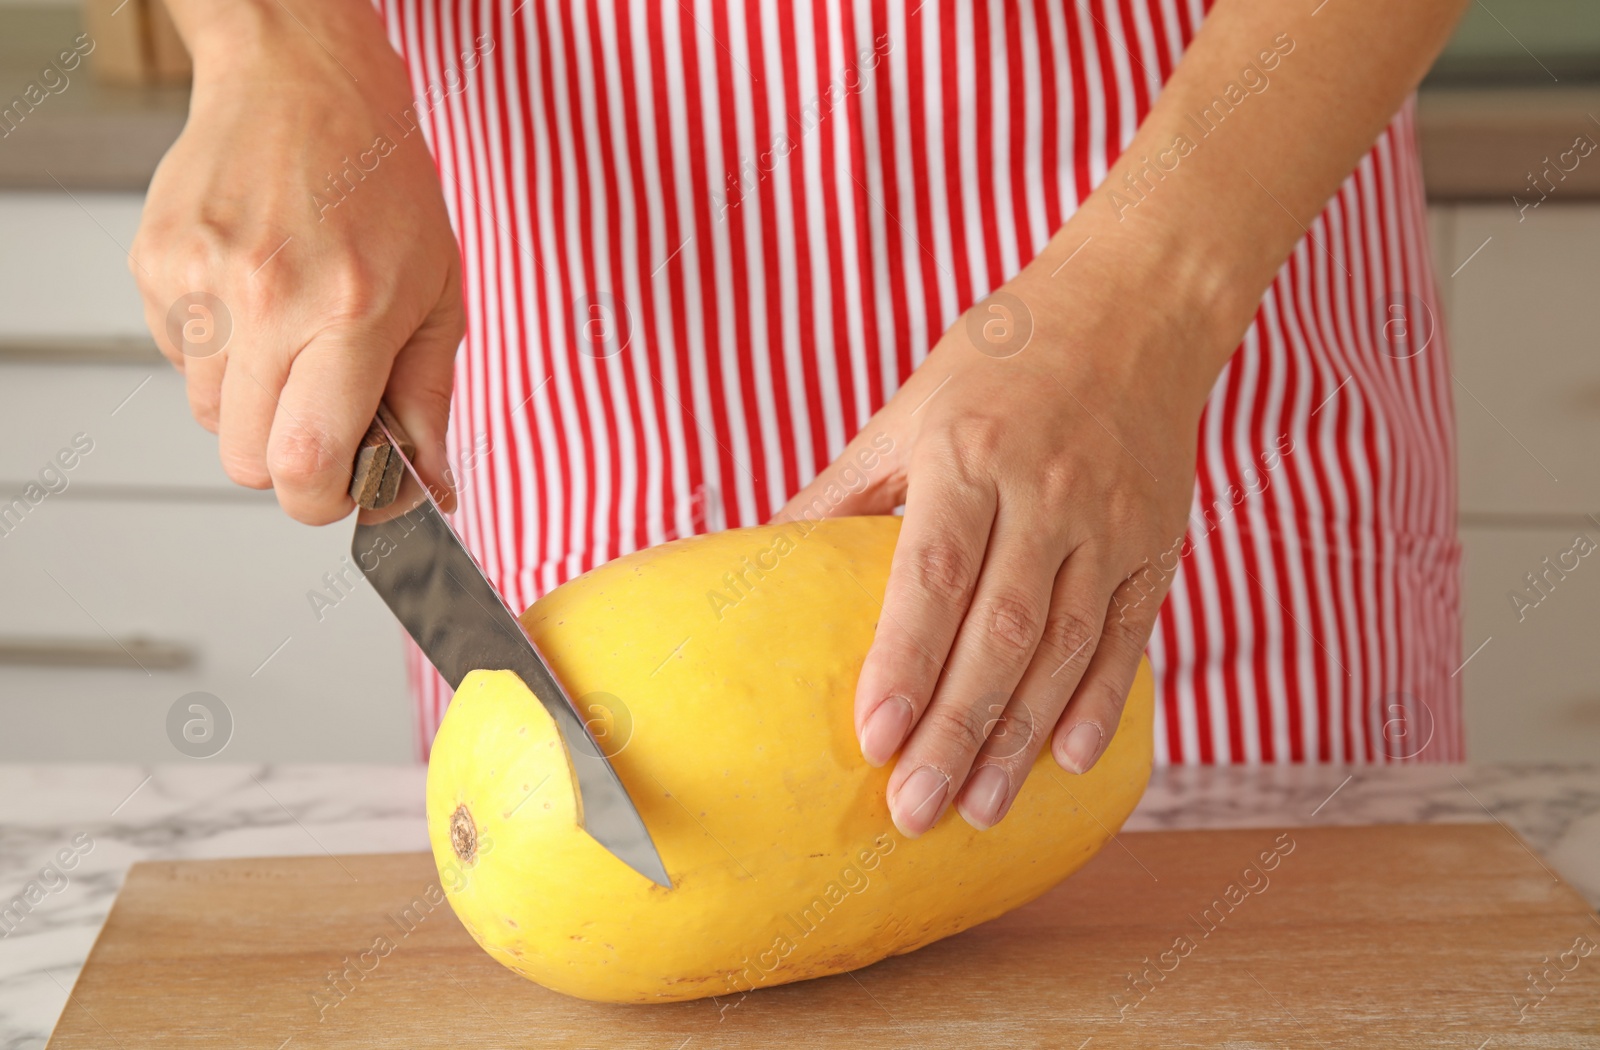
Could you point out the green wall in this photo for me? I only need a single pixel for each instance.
(1563, 35)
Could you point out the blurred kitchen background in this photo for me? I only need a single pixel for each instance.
(144, 575)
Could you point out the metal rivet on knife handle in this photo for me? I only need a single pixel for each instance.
(375, 478)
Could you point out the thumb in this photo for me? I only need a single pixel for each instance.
(418, 392)
(865, 479)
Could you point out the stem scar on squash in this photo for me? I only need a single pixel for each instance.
(463, 834)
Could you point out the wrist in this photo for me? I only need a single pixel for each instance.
(1211, 284)
(1149, 304)
(253, 40)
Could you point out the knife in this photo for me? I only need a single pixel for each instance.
(419, 567)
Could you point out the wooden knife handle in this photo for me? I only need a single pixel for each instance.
(375, 478)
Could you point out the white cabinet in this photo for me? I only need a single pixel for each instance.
(136, 415)
(1533, 690)
(1526, 335)
(146, 539)
(1523, 328)
(64, 264)
(225, 582)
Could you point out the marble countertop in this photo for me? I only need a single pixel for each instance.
(115, 815)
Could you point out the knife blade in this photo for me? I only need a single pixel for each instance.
(419, 567)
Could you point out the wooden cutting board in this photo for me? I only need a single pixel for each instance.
(1390, 937)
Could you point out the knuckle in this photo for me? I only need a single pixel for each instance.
(1134, 605)
(453, 322)
(196, 271)
(1014, 734)
(433, 402)
(151, 245)
(353, 293)
(168, 352)
(1126, 517)
(137, 270)
(1013, 624)
(205, 404)
(900, 652)
(1108, 697)
(958, 725)
(299, 456)
(321, 513)
(943, 570)
(1054, 484)
(976, 433)
(972, 444)
(1070, 635)
(1131, 626)
(246, 470)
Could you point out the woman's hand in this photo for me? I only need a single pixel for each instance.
(295, 256)
(1044, 452)
(1039, 474)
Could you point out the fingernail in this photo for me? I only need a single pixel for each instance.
(920, 801)
(885, 730)
(983, 801)
(1082, 745)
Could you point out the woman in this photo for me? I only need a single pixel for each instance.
(1115, 298)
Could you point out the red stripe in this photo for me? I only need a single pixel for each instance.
(1021, 107)
(805, 290)
(950, 133)
(501, 561)
(552, 528)
(583, 283)
(531, 41)
(704, 248)
(771, 261)
(469, 223)
(1077, 66)
(474, 221)
(894, 218)
(1394, 488)
(1200, 625)
(509, 451)
(1109, 95)
(861, 205)
(672, 268)
(1258, 585)
(1166, 60)
(1352, 608)
(1137, 71)
(987, 123)
(1277, 542)
(1366, 506)
(833, 202)
(1186, 26)
(922, 203)
(646, 337)
(743, 325)
(1300, 273)
(1049, 116)
(1165, 668)
(623, 535)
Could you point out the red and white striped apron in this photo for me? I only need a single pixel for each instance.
(704, 241)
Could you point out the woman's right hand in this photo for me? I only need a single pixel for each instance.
(295, 256)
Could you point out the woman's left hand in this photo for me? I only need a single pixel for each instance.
(1044, 453)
